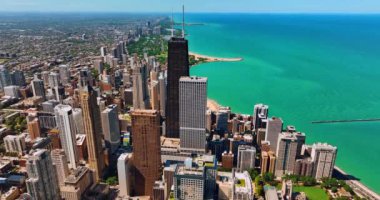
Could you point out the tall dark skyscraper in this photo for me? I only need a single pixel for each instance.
(178, 65)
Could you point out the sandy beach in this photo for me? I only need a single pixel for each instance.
(212, 105)
(214, 59)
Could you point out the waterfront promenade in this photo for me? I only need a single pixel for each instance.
(360, 189)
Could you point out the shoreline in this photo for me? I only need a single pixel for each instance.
(213, 105)
(207, 59)
(358, 187)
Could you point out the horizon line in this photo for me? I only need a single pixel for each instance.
(192, 12)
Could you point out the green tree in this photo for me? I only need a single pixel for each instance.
(112, 180)
(268, 177)
(253, 173)
(348, 189)
(334, 189)
(259, 190)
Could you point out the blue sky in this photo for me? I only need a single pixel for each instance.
(298, 6)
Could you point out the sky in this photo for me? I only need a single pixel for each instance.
(266, 6)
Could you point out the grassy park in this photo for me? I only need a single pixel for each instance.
(313, 193)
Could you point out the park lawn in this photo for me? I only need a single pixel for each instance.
(313, 193)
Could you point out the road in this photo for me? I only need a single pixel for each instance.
(359, 188)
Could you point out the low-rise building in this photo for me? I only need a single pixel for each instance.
(242, 187)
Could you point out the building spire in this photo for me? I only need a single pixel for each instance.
(183, 21)
(172, 30)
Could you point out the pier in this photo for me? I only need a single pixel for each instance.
(345, 121)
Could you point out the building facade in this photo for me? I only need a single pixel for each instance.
(146, 150)
(192, 110)
(178, 66)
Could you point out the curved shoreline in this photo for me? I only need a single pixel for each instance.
(356, 185)
(213, 59)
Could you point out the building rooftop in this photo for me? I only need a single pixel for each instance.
(144, 112)
(76, 175)
(192, 171)
(243, 183)
(324, 146)
(193, 79)
(170, 142)
(80, 138)
(124, 156)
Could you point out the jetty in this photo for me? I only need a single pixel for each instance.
(345, 121)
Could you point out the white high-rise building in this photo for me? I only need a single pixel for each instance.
(111, 127)
(192, 113)
(66, 126)
(59, 160)
(12, 91)
(273, 130)
(162, 83)
(103, 51)
(323, 156)
(54, 80)
(246, 157)
(260, 112)
(14, 143)
(123, 170)
(42, 182)
(64, 74)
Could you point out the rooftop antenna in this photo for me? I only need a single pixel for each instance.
(172, 25)
(183, 21)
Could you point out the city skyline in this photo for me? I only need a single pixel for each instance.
(212, 6)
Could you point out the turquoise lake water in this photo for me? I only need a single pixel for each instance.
(306, 68)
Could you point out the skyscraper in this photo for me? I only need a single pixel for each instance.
(14, 143)
(178, 65)
(154, 93)
(42, 182)
(286, 153)
(17, 78)
(38, 88)
(60, 163)
(54, 80)
(140, 96)
(34, 128)
(5, 78)
(323, 156)
(12, 91)
(146, 150)
(221, 121)
(103, 51)
(268, 161)
(162, 83)
(260, 112)
(111, 128)
(78, 120)
(64, 74)
(193, 105)
(92, 129)
(123, 171)
(273, 129)
(246, 157)
(66, 126)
